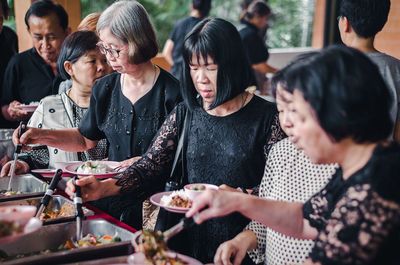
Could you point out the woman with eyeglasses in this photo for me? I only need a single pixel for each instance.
(126, 107)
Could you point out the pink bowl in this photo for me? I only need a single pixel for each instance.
(195, 189)
(17, 213)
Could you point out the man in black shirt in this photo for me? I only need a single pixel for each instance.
(8, 47)
(32, 74)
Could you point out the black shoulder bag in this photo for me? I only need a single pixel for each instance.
(176, 181)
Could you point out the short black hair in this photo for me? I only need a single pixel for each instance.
(366, 17)
(203, 6)
(75, 46)
(347, 93)
(220, 40)
(44, 8)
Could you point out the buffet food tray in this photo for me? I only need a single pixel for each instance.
(55, 205)
(28, 186)
(52, 236)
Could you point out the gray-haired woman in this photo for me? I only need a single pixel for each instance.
(126, 107)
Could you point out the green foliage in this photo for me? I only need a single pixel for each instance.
(291, 25)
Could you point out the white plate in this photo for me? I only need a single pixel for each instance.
(156, 200)
(140, 259)
(27, 108)
(71, 168)
(49, 172)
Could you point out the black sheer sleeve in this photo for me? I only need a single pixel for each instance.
(277, 134)
(149, 174)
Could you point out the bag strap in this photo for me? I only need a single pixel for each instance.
(182, 144)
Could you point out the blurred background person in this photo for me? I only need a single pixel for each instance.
(359, 22)
(81, 61)
(127, 107)
(173, 47)
(255, 19)
(340, 115)
(32, 74)
(8, 47)
(89, 22)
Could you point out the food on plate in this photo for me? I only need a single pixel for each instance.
(90, 241)
(93, 167)
(153, 246)
(177, 199)
(197, 187)
(8, 228)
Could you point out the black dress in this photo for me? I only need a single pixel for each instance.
(358, 219)
(129, 129)
(228, 150)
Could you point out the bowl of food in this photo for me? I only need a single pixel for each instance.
(195, 189)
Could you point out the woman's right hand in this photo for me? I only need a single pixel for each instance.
(30, 136)
(21, 167)
(92, 189)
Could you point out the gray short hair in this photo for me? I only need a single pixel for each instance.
(129, 22)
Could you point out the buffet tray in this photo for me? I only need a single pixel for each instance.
(52, 236)
(28, 185)
(55, 204)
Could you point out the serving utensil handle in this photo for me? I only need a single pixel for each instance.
(49, 192)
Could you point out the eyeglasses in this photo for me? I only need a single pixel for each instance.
(114, 53)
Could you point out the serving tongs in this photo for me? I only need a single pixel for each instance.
(184, 223)
(78, 210)
(18, 149)
(49, 192)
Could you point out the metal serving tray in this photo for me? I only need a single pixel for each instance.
(55, 205)
(28, 185)
(52, 236)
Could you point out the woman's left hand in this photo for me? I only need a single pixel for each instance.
(92, 189)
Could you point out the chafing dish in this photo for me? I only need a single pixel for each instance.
(26, 186)
(55, 205)
(50, 237)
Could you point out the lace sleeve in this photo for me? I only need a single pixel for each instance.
(359, 224)
(150, 172)
(276, 134)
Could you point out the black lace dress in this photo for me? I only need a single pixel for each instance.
(358, 219)
(228, 150)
